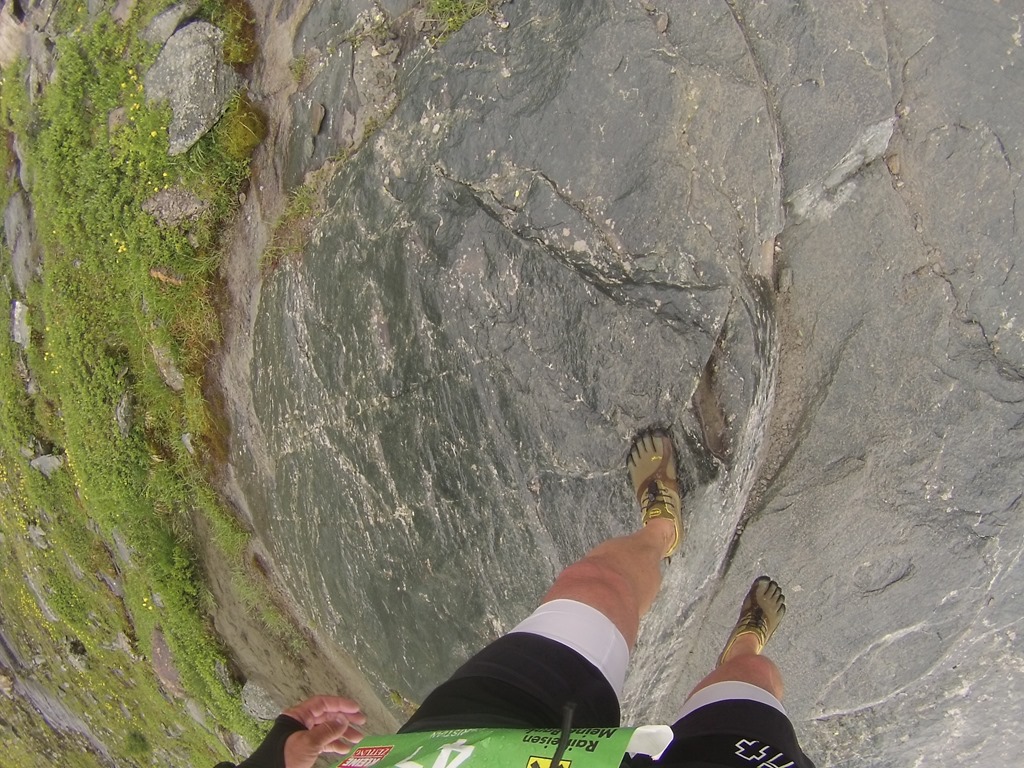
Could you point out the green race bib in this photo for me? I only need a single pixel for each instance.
(508, 748)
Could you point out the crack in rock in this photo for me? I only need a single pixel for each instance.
(546, 215)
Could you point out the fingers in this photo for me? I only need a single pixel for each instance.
(323, 709)
(331, 727)
(334, 737)
(302, 748)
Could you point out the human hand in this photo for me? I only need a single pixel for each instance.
(330, 722)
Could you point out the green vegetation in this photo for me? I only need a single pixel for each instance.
(14, 107)
(243, 129)
(451, 15)
(236, 19)
(291, 232)
(120, 298)
(299, 68)
(136, 744)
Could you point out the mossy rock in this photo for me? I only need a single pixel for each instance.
(241, 129)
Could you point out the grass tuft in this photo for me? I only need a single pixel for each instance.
(299, 68)
(292, 230)
(236, 19)
(241, 129)
(452, 15)
(137, 745)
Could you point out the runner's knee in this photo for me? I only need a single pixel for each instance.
(756, 670)
(593, 582)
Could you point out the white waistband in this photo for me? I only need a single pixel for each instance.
(587, 631)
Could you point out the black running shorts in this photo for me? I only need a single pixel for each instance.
(523, 680)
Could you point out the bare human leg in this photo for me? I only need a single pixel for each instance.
(622, 577)
(619, 577)
(741, 660)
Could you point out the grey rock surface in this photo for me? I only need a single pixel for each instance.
(477, 330)
(334, 37)
(191, 75)
(121, 643)
(40, 47)
(258, 702)
(24, 172)
(196, 711)
(21, 334)
(890, 502)
(894, 508)
(237, 744)
(175, 205)
(121, 549)
(123, 415)
(12, 38)
(47, 464)
(112, 583)
(38, 537)
(20, 237)
(165, 23)
(21, 679)
(571, 228)
(169, 372)
(32, 581)
(163, 665)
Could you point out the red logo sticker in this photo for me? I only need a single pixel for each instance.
(364, 757)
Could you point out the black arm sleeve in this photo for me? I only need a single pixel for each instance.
(270, 754)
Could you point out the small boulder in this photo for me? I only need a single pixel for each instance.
(42, 60)
(172, 206)
(166, 22)
(121, 643)
(112, 582)
(38, 537)
(121, 549)
(20, 332)
(169, 372)
(123, 415)
(191, 75)
(24, 172)
(258, 702)
(237, 744)
(31, 386)
(47, 464)
(223, 675)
